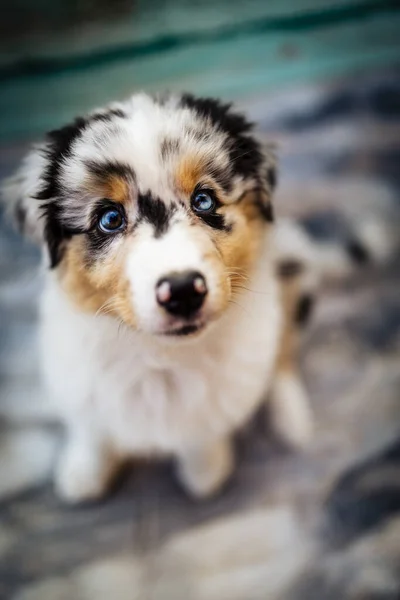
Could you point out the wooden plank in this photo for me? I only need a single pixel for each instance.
(149, 21)
(248, 65)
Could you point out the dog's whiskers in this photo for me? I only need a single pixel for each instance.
(243, 287)
(106, 308)
(232, 301)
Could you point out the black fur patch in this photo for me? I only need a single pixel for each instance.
(154, 211)
(289, 268)
(58, 148)
(216, 221)
(55, 234)
(98, 243)
(107, 169)
(266, 210)
(244, 151)
(357, 252)
(271, 177)
(304, 309)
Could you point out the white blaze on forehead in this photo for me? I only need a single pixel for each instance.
(132, 140)
(132, 143)
(155, 257)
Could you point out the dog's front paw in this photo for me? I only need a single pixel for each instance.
(82, 474)
(203, 471)
(290, 411)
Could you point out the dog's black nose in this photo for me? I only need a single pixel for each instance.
(182, 294)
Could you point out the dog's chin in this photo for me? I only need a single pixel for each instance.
(183, 332)
(188, 330)
(178, 330)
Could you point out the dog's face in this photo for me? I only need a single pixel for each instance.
(153, 210)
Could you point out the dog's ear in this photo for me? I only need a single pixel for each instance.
(19, 195)
(268, 177)
(31, 195)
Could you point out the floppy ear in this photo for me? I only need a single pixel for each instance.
(30, 195)
(19, 195)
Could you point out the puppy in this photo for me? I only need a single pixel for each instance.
(167, 315)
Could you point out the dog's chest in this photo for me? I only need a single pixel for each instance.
(156, 405)
(199, 391)
(147, 398)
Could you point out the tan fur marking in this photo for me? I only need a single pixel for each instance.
(240, 247)
(117, 188)
(188, 173)
(98, 289)
(112, 187)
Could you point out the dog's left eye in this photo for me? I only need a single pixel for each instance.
(111, 220)
(203, 202)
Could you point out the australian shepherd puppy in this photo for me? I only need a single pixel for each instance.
(168, 315)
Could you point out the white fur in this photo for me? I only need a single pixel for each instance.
(203, 471)
(290, 413)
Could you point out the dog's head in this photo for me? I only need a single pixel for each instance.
(152, 210)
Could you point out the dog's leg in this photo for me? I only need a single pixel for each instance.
(290, 412)
(85, 467)
(203, 470)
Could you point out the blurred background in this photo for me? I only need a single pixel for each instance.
(322, 79)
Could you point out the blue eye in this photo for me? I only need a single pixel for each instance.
(203, 202)
(111, 220)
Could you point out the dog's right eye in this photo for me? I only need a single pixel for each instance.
(111, 221)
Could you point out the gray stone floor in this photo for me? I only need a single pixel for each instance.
(323, 525)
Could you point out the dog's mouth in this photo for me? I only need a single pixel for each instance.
(185, 330)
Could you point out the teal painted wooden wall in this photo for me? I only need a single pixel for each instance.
(228, 48)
